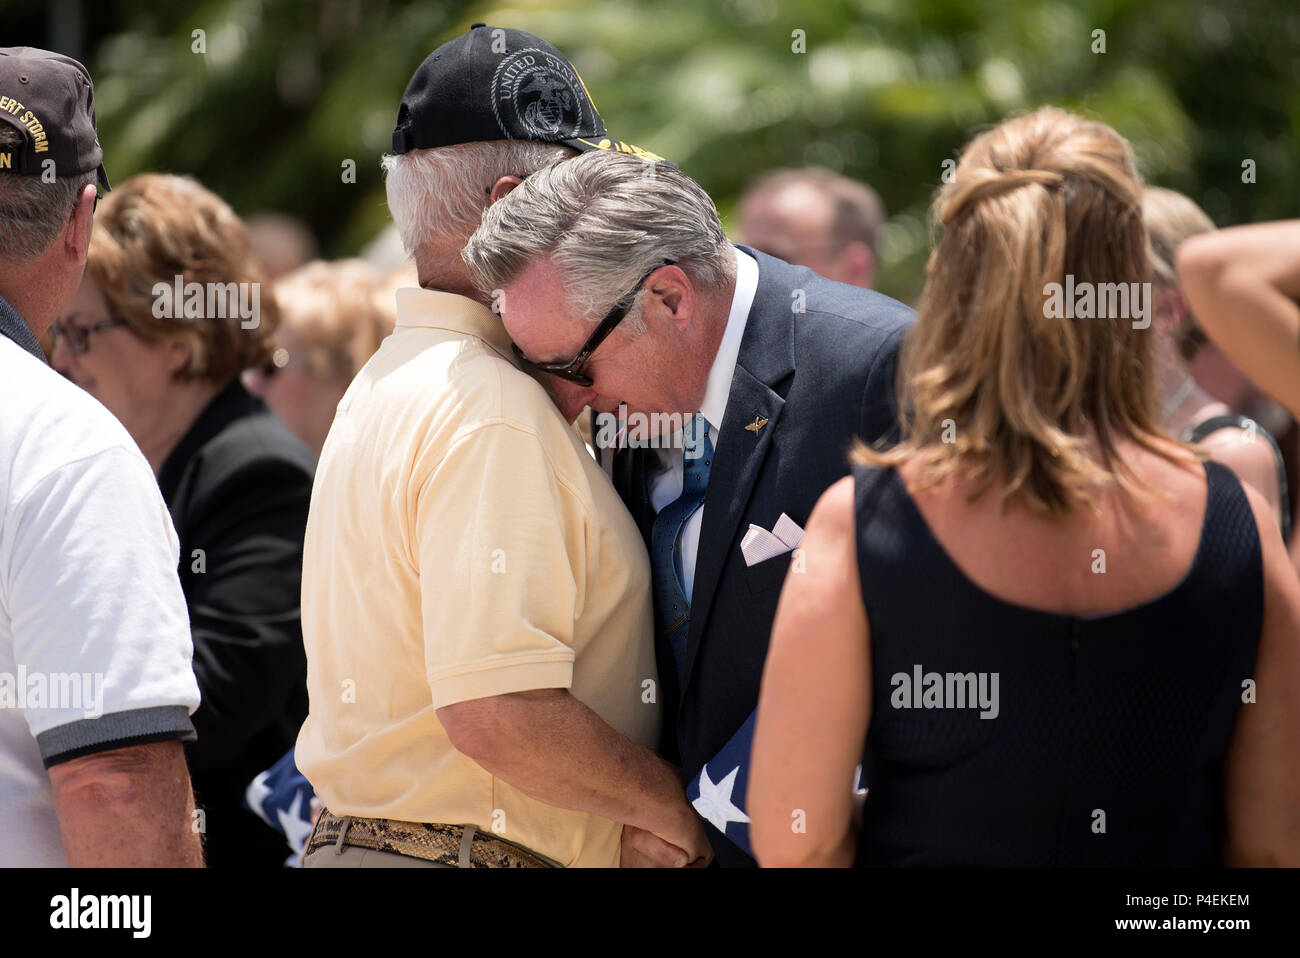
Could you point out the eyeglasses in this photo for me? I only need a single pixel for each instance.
(278, 362)
(93, 206)
(572, 370)
(78, 337)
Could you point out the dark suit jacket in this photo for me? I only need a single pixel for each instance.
(238, 485)
(821, 378)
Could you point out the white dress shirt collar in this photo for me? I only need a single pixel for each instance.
(718, 387)
(666, 485)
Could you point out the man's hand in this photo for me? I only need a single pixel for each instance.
(644, 850)
(689, 833)
(685, 835)
(556, 750)
(705, 856)
(641, 849)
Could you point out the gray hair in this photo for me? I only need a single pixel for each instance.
(443, 191)
(605, 219)
(33, 212)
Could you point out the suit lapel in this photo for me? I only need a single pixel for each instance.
(765, 360)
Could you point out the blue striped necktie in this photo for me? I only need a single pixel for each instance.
(674, 609)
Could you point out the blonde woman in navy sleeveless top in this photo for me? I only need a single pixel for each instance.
(1049, 633)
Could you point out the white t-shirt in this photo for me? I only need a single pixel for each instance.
(95, 647)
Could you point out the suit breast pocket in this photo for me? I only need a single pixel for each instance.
(768, 574)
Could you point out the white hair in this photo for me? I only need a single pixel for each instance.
(443, 191)
(605, 219)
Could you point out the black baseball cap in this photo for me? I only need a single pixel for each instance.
(494, 83)
(48, 98)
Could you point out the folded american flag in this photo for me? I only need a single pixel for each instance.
(284, 799)
(718, 791)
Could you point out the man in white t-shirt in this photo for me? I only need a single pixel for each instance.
(96, 679)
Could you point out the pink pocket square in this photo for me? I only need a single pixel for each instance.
(758, 545)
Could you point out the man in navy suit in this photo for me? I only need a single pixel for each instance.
(617, 285)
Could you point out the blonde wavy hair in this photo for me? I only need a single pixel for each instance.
(992, 389)
(341, 311)
(155, 227)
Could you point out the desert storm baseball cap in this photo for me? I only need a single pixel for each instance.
(494, 83)
(48, 98)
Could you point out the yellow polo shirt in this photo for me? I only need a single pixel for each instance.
(462, 543)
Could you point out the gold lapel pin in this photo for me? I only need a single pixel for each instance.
(756, 425)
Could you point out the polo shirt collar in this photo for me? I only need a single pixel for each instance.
(434, 309)
(15, 327)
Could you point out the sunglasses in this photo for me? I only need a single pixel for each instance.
(572, 370)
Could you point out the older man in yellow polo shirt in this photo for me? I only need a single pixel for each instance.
(476, 605)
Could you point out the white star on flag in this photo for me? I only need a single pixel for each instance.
(295, 829)
(256, 794)
(714, 804)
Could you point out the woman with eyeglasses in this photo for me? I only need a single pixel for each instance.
(236, 482)
(333, 316)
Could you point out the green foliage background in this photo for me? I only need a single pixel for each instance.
(886, 90)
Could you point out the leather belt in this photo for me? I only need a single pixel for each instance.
(459, 845)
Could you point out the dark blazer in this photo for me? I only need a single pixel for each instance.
(238, 485)
(821, 378)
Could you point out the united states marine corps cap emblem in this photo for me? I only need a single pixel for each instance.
(494, 83)
(538, 96)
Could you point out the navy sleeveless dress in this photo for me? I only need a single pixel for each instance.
(1103, 738)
